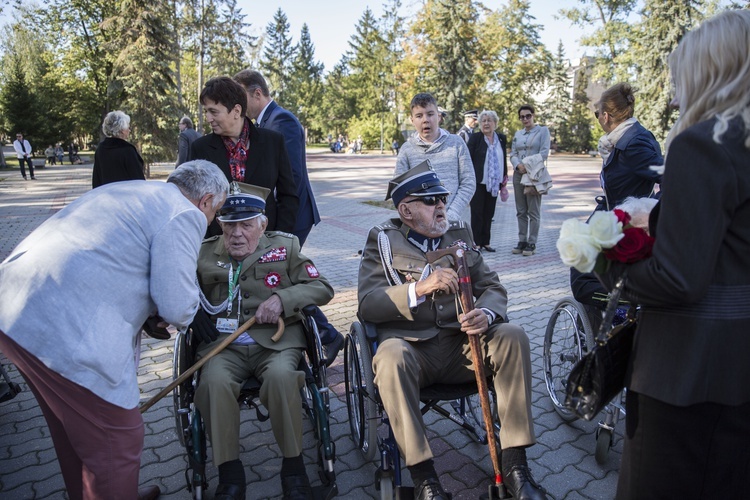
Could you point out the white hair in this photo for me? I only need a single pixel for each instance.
(114, 123)
(197, 178)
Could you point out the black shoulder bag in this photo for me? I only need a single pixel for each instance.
(600, 375)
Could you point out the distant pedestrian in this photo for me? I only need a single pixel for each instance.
(24, 154)
(73, 154)
(395, 146)
(59, 152)
(470, 121)
(188, 134)
(49, 153)
(115, 158)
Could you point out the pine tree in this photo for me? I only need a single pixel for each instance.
(443, 49)
(146, 66)
(16, 100)
(306, 88)
(664, 24)
(231, 45)
(557, 106)
(279, 52)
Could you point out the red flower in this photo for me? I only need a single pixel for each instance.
(622, 216)
(635, 245)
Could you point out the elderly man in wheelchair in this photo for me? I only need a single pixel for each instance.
(266, 275)
(423, 339)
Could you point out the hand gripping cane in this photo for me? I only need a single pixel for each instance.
(466, 296)
(224, 343)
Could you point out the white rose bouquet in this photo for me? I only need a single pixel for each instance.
(608, 236)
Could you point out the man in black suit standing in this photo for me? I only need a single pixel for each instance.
(188, 135)
(269, 115)
(246, 153)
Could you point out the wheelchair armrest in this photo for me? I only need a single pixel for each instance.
(309, 310)
(371, 331)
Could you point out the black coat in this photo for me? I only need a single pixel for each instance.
(267, 165)
(116, 160)
(478, 151)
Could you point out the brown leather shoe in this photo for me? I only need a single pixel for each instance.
(149, 492)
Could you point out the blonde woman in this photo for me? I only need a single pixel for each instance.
(688, 404)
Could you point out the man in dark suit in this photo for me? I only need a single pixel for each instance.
(245, 153)
(188, 135)
(269, 115)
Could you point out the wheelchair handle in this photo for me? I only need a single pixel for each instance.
(224, 343)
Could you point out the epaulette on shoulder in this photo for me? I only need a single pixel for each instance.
(457, 224)
(387, 225)
(279, 234)
(210, 239)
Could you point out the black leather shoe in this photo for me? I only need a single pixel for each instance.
(522, 486)
(228, 491)
(430, 489)
(489, 248)
(149, 492)
(519, 248)
(332, 349)
(296, 487)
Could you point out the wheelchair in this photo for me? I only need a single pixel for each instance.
(570, 333)
(315, 404)
(365, 410)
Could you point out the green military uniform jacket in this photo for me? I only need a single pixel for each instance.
(387, 304)
(276, 267)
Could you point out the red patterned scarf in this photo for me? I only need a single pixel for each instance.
(237, 152)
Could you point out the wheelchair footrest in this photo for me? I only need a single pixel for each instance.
(325, 492)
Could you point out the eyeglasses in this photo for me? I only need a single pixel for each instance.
(596, 113)
(431, 200)
(526, 117)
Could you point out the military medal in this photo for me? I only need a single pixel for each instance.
(272, 279)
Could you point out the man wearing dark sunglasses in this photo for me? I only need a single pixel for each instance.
(423, 338)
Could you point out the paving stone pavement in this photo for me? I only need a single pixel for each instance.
(562, 460)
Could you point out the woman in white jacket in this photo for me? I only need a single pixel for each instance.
(528, 142)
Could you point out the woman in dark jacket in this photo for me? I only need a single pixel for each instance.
(487, 152)
(115, 158)
(688, 403)
(628, 149)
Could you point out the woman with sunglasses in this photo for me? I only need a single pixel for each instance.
(627, 149)
(532, 140)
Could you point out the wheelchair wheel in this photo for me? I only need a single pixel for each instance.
(181, 395)
(189, 425)
(360, 392)
(604, 440)
(566, 340)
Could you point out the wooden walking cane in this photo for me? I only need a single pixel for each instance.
(224, 343)
(466, 296)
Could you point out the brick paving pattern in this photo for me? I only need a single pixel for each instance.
(562, 460)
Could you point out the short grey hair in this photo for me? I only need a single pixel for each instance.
(490, 113)
(187, 122)
(114, 123)
(197, 178)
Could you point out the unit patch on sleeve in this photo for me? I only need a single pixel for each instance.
(312, 271)
(275, 255)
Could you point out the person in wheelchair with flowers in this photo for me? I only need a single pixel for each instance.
(586, 287)
(267, 276)
(423, 339)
